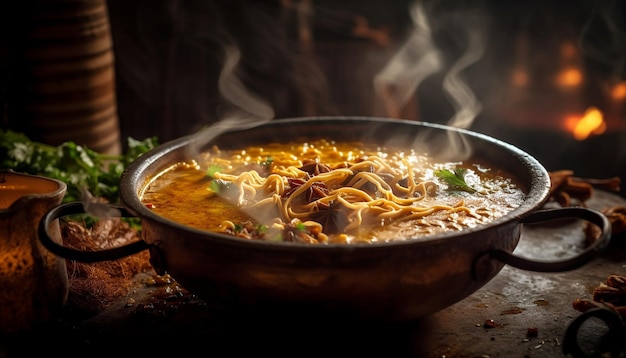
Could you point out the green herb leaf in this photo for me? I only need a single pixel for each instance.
(238, 228)
(79, 167)
(267, 163)
(220, 186)
(261, 228)
(301, 227)
(455, 179)
(210, 172)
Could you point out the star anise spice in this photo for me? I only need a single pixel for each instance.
(316, 191)
(293, 184)
(314, 167)
(332, 217)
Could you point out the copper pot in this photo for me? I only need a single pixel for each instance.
(393, 281)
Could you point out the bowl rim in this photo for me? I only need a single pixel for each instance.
(59, 190)
(133, 179)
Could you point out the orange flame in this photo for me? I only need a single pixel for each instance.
(569, 77)
(591, 122)
(618, 92)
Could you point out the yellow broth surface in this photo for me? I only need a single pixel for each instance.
(325, 192)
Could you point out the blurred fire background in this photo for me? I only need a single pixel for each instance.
(546, 76)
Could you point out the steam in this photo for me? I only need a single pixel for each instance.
(466, 105)
(417, 59)
(609, 49)
(463, 99)
(420, 58)
(248, 110)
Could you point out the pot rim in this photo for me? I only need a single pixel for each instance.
(134, 177)
(59, 190)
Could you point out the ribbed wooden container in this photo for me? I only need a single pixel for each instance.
(70, 76)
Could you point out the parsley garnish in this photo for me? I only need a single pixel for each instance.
(267, 163)
(210, 172)
(78, 166)
(455, 179)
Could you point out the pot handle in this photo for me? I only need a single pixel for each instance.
(590, 215)
(612, 341)
(78, 255)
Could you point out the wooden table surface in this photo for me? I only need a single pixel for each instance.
(493, 322)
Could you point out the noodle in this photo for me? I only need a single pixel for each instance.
(326, 192)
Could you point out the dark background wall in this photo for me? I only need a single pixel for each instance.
(302, 58)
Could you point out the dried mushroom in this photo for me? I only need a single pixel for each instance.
(617, 218)
(569, 190)
(610, 294)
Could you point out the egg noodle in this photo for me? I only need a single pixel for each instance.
(327, 192)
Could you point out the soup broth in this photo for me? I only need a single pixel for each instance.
(322, 192)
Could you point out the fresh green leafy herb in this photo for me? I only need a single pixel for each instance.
(78, 166)
(210, 172)
(301, 227)
(267, 163)
(455, 179)
(238, 228)
(222, 187)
